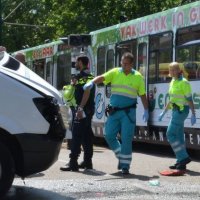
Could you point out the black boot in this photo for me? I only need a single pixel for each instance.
(73, 166)
(86, 165)
(181, 165)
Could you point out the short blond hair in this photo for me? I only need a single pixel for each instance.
(174, 65)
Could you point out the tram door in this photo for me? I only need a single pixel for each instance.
(48, 70)
(141, 66)
(105, 62)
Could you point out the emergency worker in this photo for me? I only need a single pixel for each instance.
(180, 101)
(2, 48)
(20, 57)
(126, 85)
(81, 129)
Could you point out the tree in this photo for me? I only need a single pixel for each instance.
(34, 21)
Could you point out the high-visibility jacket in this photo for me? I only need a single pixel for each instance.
(68, 95)
(180, 92)
(130, 85)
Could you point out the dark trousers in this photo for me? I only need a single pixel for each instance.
(82, 134)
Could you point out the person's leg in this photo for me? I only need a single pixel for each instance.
(127, 131)
(175, 135)
(87, 142)
(75, 147)
(112, 128)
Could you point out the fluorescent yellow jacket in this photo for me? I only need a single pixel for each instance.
(130, 85)
(180, 92)
(68, 95)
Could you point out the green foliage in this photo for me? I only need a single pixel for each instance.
(51, 19)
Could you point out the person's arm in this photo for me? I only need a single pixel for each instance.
(144, 101)
(84, 100)
(96, 80)
(191, 105)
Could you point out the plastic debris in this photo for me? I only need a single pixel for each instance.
(154, 182)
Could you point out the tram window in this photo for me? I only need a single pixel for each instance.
(188, 51)
(110, 59)
(163, 70)
(152, 67)
(142, 58)
(130, 46)
(160, 56)
(48, 72)
(63, 70)
(188, 34)
(101, 60)
(189, 59)
(38, 67)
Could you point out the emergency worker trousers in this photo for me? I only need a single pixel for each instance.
(82, 134)
(175, 133)
(123, 123)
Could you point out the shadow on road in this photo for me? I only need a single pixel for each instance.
(30, 193)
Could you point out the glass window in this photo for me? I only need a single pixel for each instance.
(11, 63)
(142, 58)
(187, 35)
(110, 59)
(152, 67)
(49, 72)
(63, 70)
(130, 46)
(188, 51)
(101, 60)
(160, 56)
(38, 67)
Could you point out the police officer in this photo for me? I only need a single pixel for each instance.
(180, 100)
(81, 130)
(126, 84)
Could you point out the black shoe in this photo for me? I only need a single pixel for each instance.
(125, 171)
(68, 169)
(181, 165)
(84, 165)
(185, 161)
(118, 166)
(173, 166)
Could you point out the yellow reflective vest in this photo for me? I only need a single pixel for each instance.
(68, 95)
(130, 85)
(179, 92)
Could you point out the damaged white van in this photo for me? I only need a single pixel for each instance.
(32, 122)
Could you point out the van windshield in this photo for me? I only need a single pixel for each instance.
(10, 63)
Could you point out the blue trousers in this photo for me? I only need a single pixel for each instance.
(175, 133)
(124, 123)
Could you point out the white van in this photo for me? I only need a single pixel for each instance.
(32, 122)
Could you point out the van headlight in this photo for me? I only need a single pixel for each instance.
(54, 114)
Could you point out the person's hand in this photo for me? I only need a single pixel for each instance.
(193, 119)
(161, 116)
(88, 86)
(146, 115)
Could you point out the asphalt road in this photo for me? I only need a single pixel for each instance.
(105, 182)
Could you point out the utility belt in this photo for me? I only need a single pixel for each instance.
(111, 110)
(176, 107)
